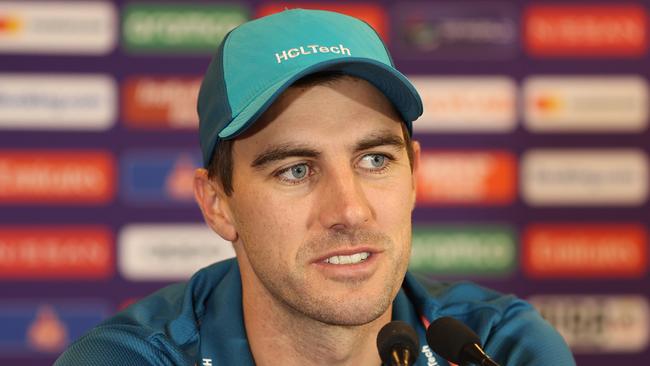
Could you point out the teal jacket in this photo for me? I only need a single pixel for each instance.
(200, 323)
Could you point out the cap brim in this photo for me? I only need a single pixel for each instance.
(393, 84)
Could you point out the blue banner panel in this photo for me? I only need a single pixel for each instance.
(46, 328)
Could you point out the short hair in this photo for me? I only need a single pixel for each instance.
(221, 166)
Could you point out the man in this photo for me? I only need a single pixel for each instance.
(305, 131)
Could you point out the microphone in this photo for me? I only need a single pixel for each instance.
(457, 343)
(398, 344)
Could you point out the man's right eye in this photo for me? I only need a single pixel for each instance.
(295, 173)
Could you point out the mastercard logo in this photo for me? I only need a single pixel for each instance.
(548, 103)
(57, 27)
(585, 103)
(10, 24)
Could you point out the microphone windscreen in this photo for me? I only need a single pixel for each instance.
(397, 335)
(447, 337)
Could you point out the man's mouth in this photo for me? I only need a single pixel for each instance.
(348, 259)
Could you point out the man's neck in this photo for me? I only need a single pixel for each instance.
(276, 333)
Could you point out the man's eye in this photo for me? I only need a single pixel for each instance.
(374, 161)
(295, 173)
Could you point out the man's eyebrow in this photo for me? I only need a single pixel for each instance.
(279, 152)
(380, 139)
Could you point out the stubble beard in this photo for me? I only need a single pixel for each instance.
(301, 295)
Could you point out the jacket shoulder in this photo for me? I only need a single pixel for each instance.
(122, 345)
(160, 329)
(511, 329)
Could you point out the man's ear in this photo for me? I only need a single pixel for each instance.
(211, 198)
(416, 169)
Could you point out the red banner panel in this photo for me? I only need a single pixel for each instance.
(467, 178)
(57, 177)
(585, 250)
(53, 253)
(586, 30)
(373, 14)
(160, 102)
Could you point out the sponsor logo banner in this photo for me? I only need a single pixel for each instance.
(56, 177)
(47, 253)
(585, 177)
(155, 252)
(466, 104)
(586, 30)
(32, 328)
(174, 28)
(57, 102)
(463, 250)
(160, 102)
(455, 30)
(586, 104)
(159, 177)
(596, 323)
(373, 14)
(585, 250)
(467, 177)
(57, 27)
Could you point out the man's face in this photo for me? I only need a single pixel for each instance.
(323, 194)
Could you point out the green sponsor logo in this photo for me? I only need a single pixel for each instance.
(463, 250)
(167, 28)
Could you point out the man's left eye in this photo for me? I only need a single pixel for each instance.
(373, 161)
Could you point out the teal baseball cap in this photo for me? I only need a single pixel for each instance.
(260, 59)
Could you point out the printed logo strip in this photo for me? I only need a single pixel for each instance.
(584, 177)
(598, 324)
(168, 251)
(56, 177)
(603, 250)
(458, 177)
(463, 250)
(607, 30)
(66, 102)
(158, 28)
(56, 253)
(58, 27)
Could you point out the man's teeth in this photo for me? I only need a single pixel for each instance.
(348, 259)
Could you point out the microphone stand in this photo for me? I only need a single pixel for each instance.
(477, 353)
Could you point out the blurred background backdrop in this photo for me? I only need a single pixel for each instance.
(535, 157)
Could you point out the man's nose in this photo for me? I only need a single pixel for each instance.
(344, 204)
